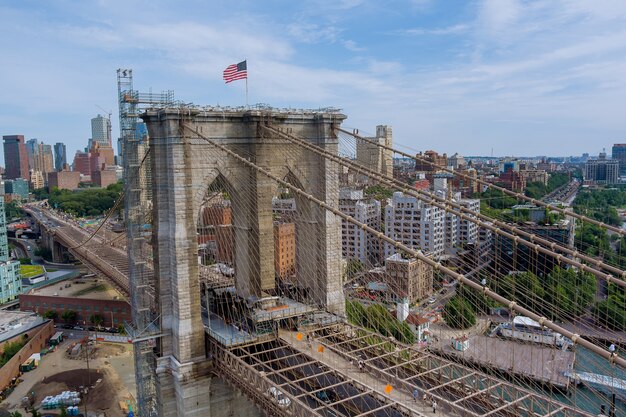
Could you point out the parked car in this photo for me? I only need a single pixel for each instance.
(78, 328)
(279, 397)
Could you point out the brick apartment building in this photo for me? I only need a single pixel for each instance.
(285, 249)
(408, 277)
(64, 180)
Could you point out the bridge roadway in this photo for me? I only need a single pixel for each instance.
(97, 254)
(322, 378)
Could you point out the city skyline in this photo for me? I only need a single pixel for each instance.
(521, 78)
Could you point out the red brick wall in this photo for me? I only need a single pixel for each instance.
(118, 310)
(37, 340)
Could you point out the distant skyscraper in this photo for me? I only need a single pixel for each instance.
(602, 170)
(31, 151)
(60, 156)
(15, 157)
(101, 130)
(46, 160)
(619, 153)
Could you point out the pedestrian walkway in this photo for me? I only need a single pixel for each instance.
(351, 370)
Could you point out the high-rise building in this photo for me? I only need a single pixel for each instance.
(60, 156)
(40, 157)
(356, 243)
(602, 170)
(101, 130)
(104, 152)
(31, 152)
(619, 154)
(17, 188)
(15, 157)
(216, 230)
(284, 249)
(64, 179)
(37, 180)
(81, 163)
(10, 278)
(46, 159)
(414, 223)
(373, 156)
(468, 231)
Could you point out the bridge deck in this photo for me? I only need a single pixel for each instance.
(319, 387)
(457, 389)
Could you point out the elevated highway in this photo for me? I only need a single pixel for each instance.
(96, 253)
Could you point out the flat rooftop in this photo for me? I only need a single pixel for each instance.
(13, 323)
(90, 288)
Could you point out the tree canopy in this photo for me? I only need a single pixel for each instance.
(87, 202)
(458, 313)
(379, 319)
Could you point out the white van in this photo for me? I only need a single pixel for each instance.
(279, 397)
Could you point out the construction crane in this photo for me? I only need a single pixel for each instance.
(109, 113)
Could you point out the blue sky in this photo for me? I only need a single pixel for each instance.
(522, 77)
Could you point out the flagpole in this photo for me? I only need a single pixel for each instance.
(246, 61)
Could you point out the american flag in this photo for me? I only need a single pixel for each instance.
(236, 72)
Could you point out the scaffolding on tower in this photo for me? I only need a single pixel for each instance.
(145, 327)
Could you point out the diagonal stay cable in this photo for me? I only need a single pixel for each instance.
(497, 226)
(612, 357)
(119, 201)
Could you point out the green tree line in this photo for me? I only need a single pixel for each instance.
(87, 202)
(562, 294)
(539, 189)
(601, 204)
(10, 350)
(379, 319)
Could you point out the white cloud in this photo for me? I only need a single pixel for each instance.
(498, 15)
(352, 46)
(448, 30)
(312, 32)
(557, 66)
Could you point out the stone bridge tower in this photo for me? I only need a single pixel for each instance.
(183, 166)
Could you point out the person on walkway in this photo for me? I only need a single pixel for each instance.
(361, 366)
(434, 407)
(416, 394)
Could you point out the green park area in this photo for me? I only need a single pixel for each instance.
(31, 271)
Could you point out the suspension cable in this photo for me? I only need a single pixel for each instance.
(496, 227)
(612, 357)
